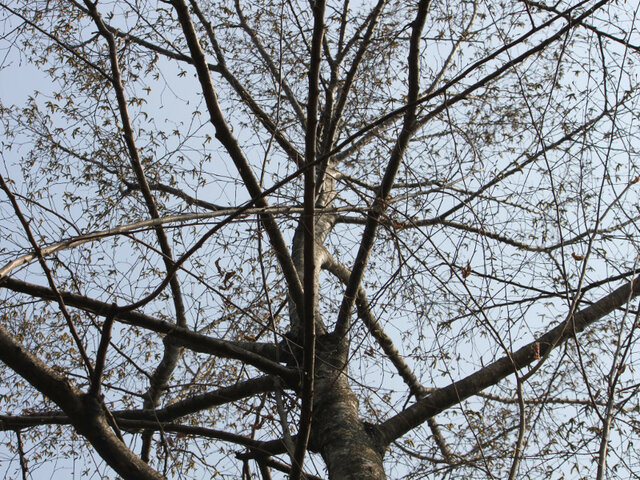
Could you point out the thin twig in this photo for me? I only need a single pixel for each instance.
(23, 459)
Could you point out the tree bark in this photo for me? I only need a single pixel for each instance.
(349, 448)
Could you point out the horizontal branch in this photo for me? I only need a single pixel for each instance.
(402, 225)
(176, 192)
(135, 425)
(204, 401)
(545, 400)
(18, 422)
(455, 393)
(146, 224)
(8, 422)
(482, 231)
(169, 413)
(270, 462)
(243, 351)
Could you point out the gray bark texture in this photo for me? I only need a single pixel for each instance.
(338, 433)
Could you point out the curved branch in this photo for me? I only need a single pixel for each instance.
(236, 212)
(388, 347)
(49, 275)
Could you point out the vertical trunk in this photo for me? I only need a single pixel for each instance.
(345, 445)
(348, 448)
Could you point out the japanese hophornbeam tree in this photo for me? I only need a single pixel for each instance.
(328, 239)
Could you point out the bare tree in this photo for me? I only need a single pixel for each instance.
(376, 239)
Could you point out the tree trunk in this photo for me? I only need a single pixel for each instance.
(348, 447)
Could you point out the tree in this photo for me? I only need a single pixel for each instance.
(332, 239)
